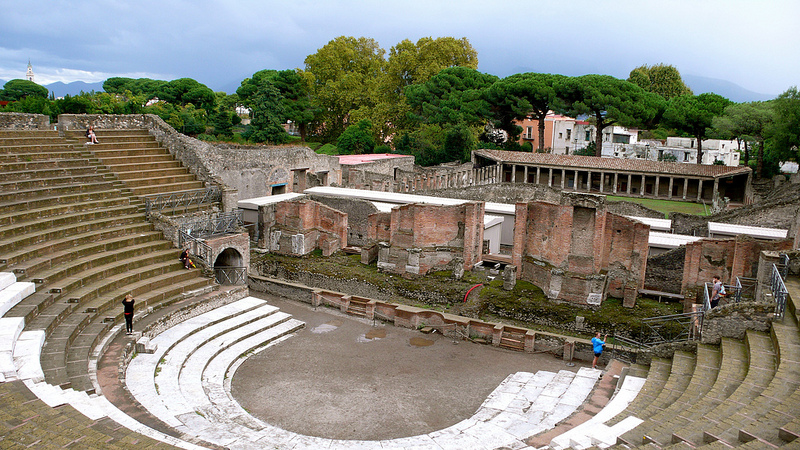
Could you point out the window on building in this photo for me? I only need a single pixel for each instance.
(567, 150)
(685, 156)
(528, 132)
(621, 139)
(560, 135)
(569, 134)
(588, 136)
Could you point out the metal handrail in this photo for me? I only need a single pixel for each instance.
(707, 296)
(745, 289)
(236, 275)
(779, 291)
(154, 203)
(222, 223)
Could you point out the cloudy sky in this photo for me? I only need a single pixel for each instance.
(753, 43)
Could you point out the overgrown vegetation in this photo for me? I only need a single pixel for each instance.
(666, 206)
(524, 306)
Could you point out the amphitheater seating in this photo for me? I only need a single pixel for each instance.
(182, 383)
(70, 226)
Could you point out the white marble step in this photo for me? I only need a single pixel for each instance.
(7, 279)
(27, 355)
(579, 437)
(141, 372)
(188, 358)
(10, 329)
(13, 294)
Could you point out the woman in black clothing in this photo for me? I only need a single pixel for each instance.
(127, 304)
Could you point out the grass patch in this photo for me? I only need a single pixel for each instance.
(665, 206)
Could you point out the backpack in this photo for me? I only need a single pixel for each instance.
(722, 292)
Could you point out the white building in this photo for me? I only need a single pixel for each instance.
(685, 150)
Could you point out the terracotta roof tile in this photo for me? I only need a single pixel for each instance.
(613, 164)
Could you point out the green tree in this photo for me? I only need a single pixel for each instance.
(356, 139)
(184, 91)
(139, 86)
(694, 114)
(661, 79)
(18, 89)
(747, 122)
(609, 101)
(267, 115)
(784, 132)
(454, 96)
(523, 95)
(415, 63)
(344, 76)
(297, 105)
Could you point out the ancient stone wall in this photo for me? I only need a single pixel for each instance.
(726, 258)
(380, 227)
(358, 212)
(733, 320)
(665, 271)
(299, 227)
(23, 121)
(431, 237)
(577, 251)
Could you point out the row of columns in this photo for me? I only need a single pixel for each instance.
(454, 179)
(588, 185)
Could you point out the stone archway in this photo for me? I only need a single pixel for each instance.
(230, 268)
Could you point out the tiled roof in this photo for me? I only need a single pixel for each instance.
(367, 158)
(612, 164)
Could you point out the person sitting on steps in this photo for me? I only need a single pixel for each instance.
(91, 136)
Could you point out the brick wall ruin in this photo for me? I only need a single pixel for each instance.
(301, 226)
(578, 251)
(727, 258)
(422, 238)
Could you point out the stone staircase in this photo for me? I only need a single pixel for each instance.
(74, 226)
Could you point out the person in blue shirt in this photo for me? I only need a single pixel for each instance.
(597, 346)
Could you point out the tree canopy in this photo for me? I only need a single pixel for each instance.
(694, 115)
(747, 122)
(609, 101)
(524, 95)
(661, 79)
(18, 89)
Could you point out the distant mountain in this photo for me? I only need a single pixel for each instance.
(60, 89)
(731, 91)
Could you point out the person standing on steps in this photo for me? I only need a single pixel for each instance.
(597, 345)
(717, 291)
(127, 305)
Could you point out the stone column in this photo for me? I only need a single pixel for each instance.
(575, 182)
(669, 194)
(550, 177)
(538, 174)
(716, 189)
(563, 178)
(629, 184)
(526, 175)
(699, 189)
(641, 187)
(658, 180)
(685, 187)
(616, 179)
(602, 181)
(513, 173)
(588, 181)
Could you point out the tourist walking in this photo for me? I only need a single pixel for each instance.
(597, 345)
(127, 305)
(717, 291)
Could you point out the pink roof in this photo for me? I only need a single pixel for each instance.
(361, 159)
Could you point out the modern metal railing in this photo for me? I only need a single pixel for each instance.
(223, 223)
(197, 247)
(155, 203)
(779, 291)
(744, 289)
(230, 275)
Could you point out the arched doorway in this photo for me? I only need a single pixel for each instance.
(229, 267)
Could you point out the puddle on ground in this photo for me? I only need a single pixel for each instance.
(326, 327)
(375, 333)
(420, 342)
